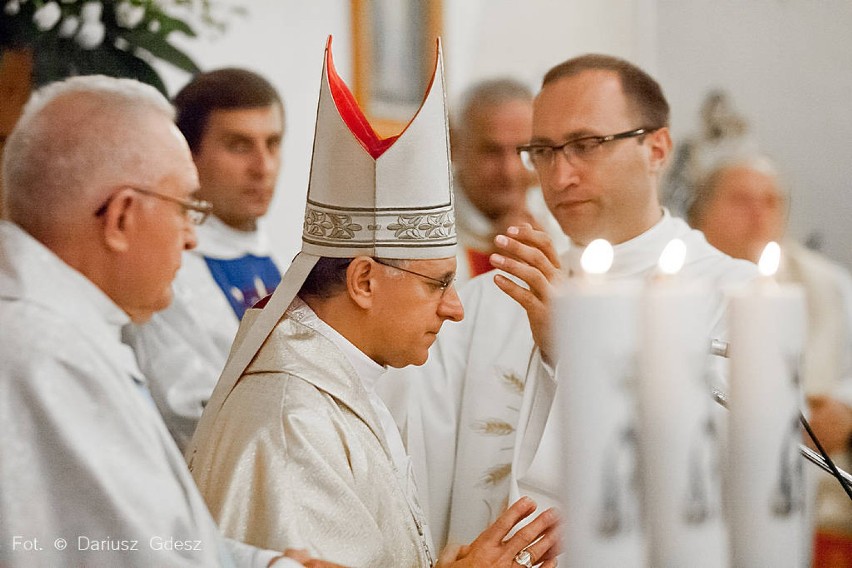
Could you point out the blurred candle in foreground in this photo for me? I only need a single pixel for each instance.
(597, 259)
(678, 439)
(595, 327)
(764, 489)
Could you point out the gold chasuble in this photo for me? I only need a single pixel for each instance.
(298, 459)
(290, 451)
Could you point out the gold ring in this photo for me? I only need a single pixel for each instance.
(524, 558)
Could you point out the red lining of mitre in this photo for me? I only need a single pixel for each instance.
(352, 114)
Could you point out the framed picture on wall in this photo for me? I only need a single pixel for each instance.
(394, 51)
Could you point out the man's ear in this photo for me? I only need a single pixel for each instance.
(118, 220)
(660, 147)
(359, 281)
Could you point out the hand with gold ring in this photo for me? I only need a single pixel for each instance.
(524, 558)
(537, 543)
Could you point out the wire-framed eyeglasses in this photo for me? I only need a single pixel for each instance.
(196, 210)
(441, 284)
(542, 156)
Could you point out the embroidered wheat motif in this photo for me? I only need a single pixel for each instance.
(513, 381)
(493, 427)
(496, 474)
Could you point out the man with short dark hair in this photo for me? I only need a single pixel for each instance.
(600, 141)
(233, 120)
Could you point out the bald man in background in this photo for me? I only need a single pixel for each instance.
(493, 188)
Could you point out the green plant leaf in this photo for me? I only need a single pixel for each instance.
(109, 60)
(18, 31)
(50, 61)
(140, 70)
(161, 49)
(56, 58)
(169, 25)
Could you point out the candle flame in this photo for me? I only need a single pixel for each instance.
(673, 257)
(769, 259)
(597, 258)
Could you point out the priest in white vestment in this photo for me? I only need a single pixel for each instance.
(99, 195)
(476, 418)
(295, 448)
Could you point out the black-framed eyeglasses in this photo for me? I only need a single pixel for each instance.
(442, 285)
(196, 210)
(542, 156)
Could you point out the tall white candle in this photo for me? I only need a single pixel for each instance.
(764, 491)
(677, 433)
(596, 346)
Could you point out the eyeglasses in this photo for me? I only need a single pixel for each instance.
(195, 210)
(442, 285)
(542, 156)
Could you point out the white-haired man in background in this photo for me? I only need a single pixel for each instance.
(493, 188)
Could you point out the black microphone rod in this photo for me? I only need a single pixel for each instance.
(844, 478)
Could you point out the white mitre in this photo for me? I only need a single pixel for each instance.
(388, 198)
(367, 196)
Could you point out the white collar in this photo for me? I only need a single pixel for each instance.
(367, 370)
(218, 240)
(637, 255)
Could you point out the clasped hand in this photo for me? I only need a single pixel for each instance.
(495, 548)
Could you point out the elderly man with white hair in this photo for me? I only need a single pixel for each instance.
(741, 205)
(99, 196)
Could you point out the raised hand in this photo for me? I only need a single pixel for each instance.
(528, 254)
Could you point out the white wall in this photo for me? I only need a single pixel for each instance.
(487, 38)
(788, 66)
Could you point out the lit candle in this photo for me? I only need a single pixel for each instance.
(596, 260)
(764, 490)
(596, 359)
(677, 433)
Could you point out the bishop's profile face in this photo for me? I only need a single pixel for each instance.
(413, 304)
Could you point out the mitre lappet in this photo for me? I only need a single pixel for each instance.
(367, 196)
